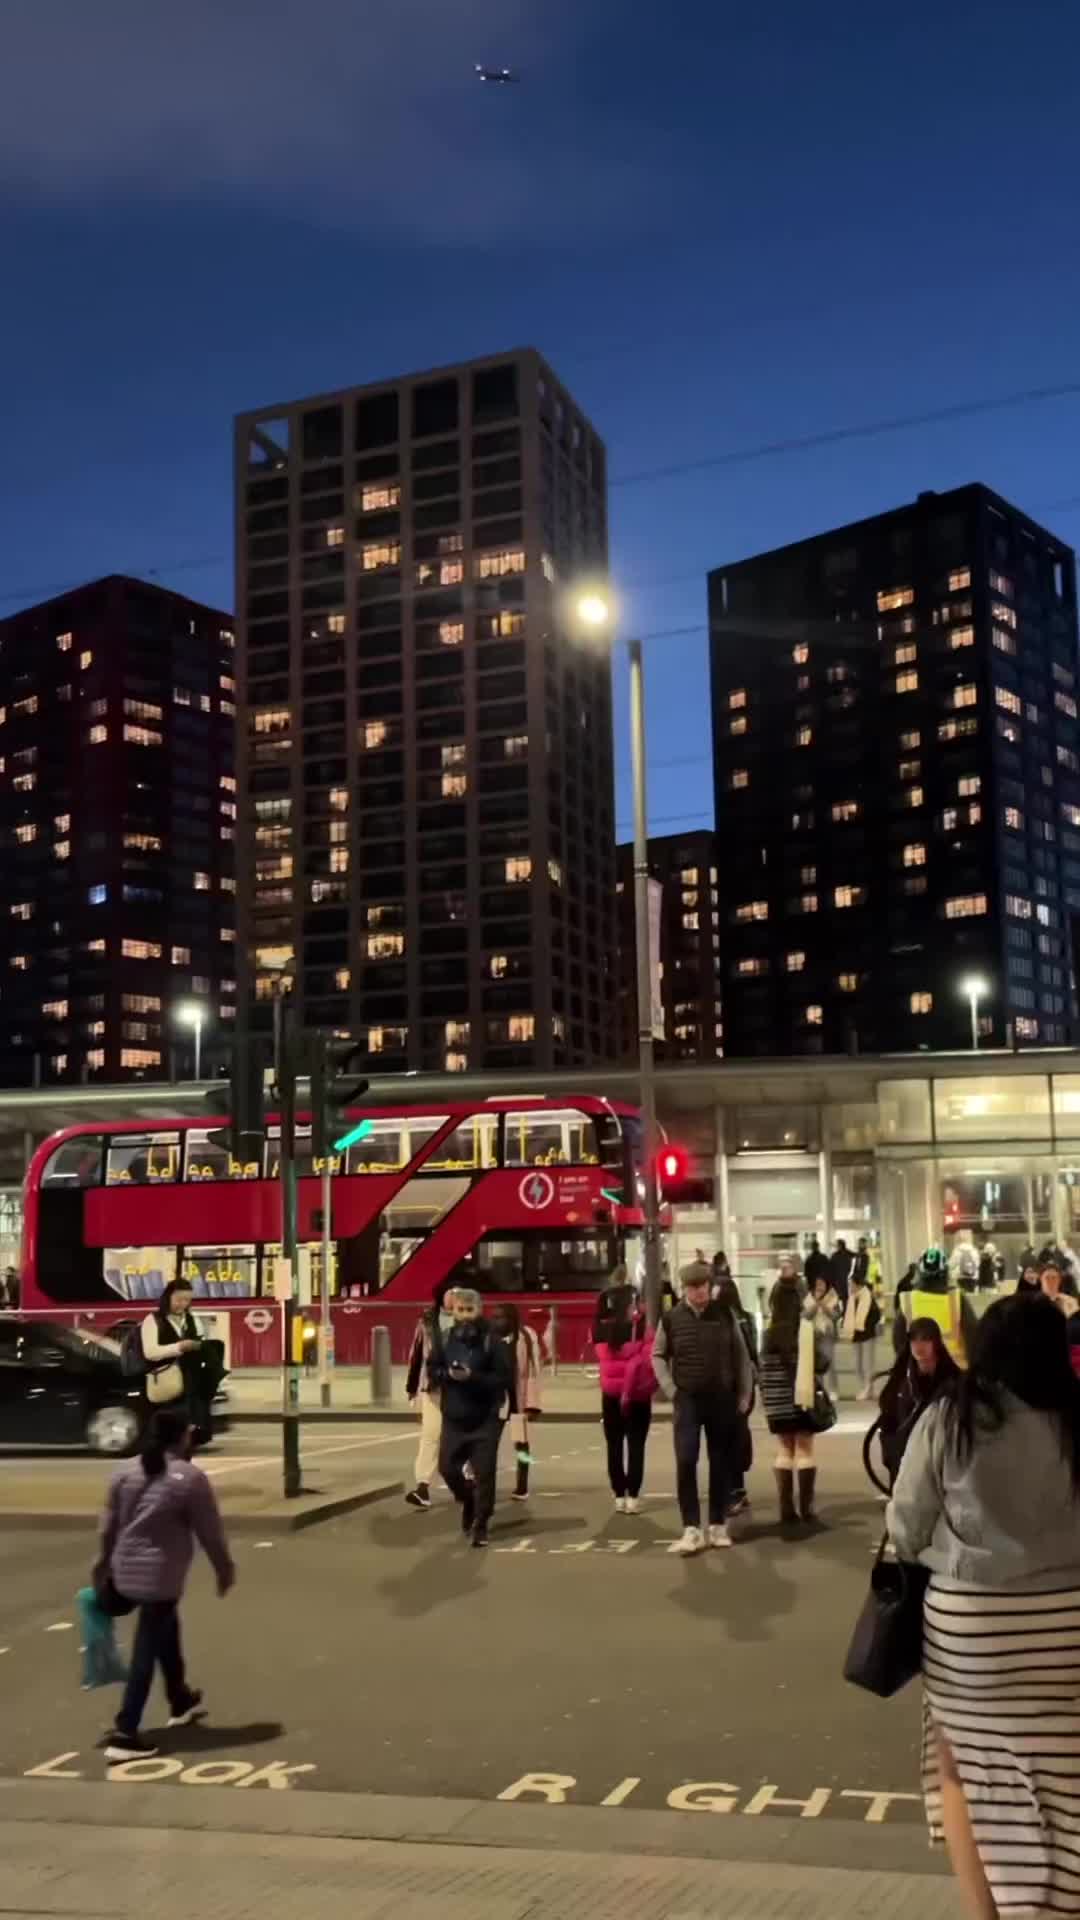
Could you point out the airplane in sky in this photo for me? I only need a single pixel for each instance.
(498, 76)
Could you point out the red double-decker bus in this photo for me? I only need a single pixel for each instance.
(519, 1197)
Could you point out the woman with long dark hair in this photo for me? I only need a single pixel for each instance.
(528, 1369)
(157, 1509)
(988, 1498)
(172, 1349)
(919, 1374)
(794, 1363)
(623, 1345)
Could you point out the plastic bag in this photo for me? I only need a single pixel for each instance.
(102, 1665)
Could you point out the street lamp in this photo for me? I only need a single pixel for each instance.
(192, 1013)
(974, 987)
(594, 610)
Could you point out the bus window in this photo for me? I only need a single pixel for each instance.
(573, 1260)
(495, 1265)
(204, 1159)
(391, 1144)
(76, 1163)
(139, 1273)
(471, 1147)
(614, 1133)
(539, 1138)
(220, 1273)
(301, 1154)
(142, 1159)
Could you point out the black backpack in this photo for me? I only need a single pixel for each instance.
(132, 1358)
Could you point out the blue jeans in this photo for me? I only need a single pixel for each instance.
(156, 1643)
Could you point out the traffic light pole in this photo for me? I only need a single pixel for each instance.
(646, 1077)
(285, 1077)
(326, 1331)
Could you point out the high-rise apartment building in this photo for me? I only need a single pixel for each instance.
(897, 770)
(684, 865)
(117, 816)
(425, 767)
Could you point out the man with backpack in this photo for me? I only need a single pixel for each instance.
(473, 1370)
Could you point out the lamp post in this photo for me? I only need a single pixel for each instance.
(974, 987)
(191, 1013)
(594, 611)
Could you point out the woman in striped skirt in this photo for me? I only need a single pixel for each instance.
(988, 1498)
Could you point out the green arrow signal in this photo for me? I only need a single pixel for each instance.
(356, 1133)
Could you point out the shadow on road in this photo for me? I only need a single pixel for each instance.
(204, 1738)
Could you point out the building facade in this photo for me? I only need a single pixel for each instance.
(426, 785)
(684, 866)
(117, 816)
(897, 773)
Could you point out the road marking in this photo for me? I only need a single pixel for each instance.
(275, 1774)
(54, 1769)
(5, 1649)
(622, 1792)
(61, 1626)
(310, 1453)
(522, 1546)
(712, 1796)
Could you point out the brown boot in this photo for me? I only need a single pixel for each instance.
(785, 1487)
(807, 1481)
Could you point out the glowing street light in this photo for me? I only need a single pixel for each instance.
(192, 1013)
(593, 610)
(974, 987)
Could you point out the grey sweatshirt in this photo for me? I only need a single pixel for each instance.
(1004, 1516)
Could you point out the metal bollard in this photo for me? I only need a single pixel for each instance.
(382, 1376)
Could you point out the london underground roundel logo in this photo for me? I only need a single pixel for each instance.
(536, 1191)
(259, 1320)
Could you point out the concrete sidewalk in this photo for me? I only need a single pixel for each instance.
(365, 1857)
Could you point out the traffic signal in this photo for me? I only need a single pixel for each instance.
(678, 1179)
(243, 1134)
(334, 1088)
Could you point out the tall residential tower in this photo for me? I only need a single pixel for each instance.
(897, 768)
(426, 792)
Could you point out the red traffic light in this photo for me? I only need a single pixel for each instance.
(672, 1165)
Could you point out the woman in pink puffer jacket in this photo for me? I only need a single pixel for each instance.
(623, 1345)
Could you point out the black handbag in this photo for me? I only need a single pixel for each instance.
(886, 1646)
(824, 1414)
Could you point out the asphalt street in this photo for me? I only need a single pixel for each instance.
(576, 1659)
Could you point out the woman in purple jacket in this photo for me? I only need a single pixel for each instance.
(623, 1346)
(156, 1511)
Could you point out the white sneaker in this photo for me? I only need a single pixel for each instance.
(631, 1505)
(719, 1537)
(620, 1504)
(693, 1541)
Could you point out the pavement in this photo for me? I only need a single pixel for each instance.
(573, 1722)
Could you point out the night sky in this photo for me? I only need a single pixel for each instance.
(725, 226)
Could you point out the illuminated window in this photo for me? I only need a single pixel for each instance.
(1065, 703)
(807, 903)
(738, 778)
(909, 769)
(144, 842)
(1000, 583)
(910, 741)
(141, 1003)
(271, 720)
(24, 782)
(848, 982)
(738, 724)
(63, 641)
(376, 554)
(921, 1003)
(23, 910)
(518, 867)
(752, 910)
(961, 637)
(498, 965)
(27, 706)
(375, 733)
(846, 896)
(968, 784)
(692, 921)
(808, 875)
(800, 654)
(494, 565)
(555, 872)
(1014, 819)
(915, 854)
(94, 946)
(846, 810)
(20, 962)
(384, 946)
(902, 656)
(967, 695)
(521, 1026)
(959, 580)
(1006, 698)
(949, 819)
(958, 729)
(737, 699)
(906, 682)
(752, 966)
(894, 597)
(1070, 813)
(142, 950)
(139, 1057)
(795, 962)
(1005, 615)
(95, 1059)
(335, 623)
(1017, 906)
(26, 833)
(454, 785)
(142, 710)
(813, 1016)
(85, 659)
(965, 906)
(54, 1009)
(378, 498)
(516, 746)
(180, 956)
(96, 735)
(451, 632)
(453, 754)
(339, 859)
(335, 536)
(201, 882)
(339, 799)
(62, 849)
(804, 736)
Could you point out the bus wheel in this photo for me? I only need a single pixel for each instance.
(112, 1430)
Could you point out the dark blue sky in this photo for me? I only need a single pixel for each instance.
(724, 226)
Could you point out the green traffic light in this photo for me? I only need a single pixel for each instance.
(616, 1198)
(356, 1133)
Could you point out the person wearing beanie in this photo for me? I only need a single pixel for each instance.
(700, 1360)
